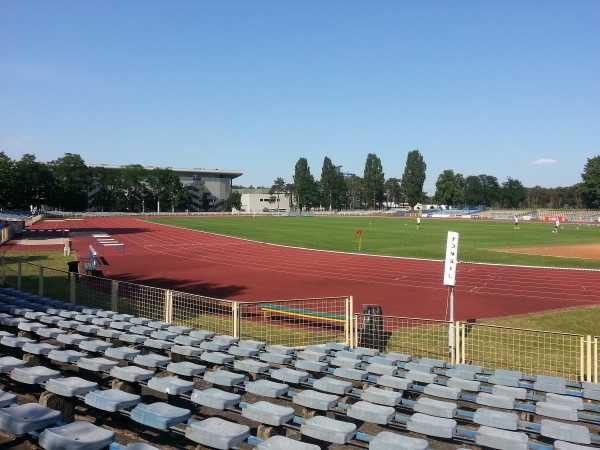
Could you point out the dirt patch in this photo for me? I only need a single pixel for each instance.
(583, 251)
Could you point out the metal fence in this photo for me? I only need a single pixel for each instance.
(295, 323)
(298, 323)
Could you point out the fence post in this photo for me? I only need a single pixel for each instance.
(114, 295)
(3, 270)
(235, 310)
(595, 359)
(19, 275)
(457, 342)
(168, 306)
(72, 288)
(349, 320)
(41, 281)
(588, 358)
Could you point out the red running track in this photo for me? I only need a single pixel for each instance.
(230, 268)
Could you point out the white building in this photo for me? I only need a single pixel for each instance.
(259, 200)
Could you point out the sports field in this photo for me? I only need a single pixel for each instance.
(480, 241)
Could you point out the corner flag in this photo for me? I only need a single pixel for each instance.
(359, 232)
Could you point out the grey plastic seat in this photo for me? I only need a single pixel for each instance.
(381, 369)
(284, 443)
(394, 382)
(577, 434)
(257, 345)
(269, 413)
(186, 350)
(187, 340)
(68, 324)
(111, 334)
(101, 321)
(217, 433)
(66, 356)
(179, 329)
(311, 366)
(277, 358)
(87, 329)
(170, 385)
(28, 417)
(151, 360)
(95, 345)
(202, 334)
(217, 358)
(31, 326)
(398, 357)
(332, 385)
(33, 375)
(497, 419)
(214, 346)
(315, 400)
(224, 378)
(163, 335)
(122, 317)
(215, 398)
(105, 313)
(96, 364)
(78, 435)
(381, 396)
(158, 344)
(436, 408)
(246, 352)
(70, 386)
(50, 320)
(140, 320)
(370, 412)
(121, 353)
(267, 388)
(186, 368)
(159, 325)
(120, 325)
(497, 438)
(226, 339)
(111, 400)
(387, 440)
(312, 356)
(132, 338)
(49, 333)
(250, 366)
(431, 425)
(338, 346)
(132, 374)
(328, 430)
(7, 399)
(350, 374)
(16, 341)
(71, 339)
(8, 363)
(290, 375)
(159, 415)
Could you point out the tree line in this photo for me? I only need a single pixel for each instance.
(336, 191)
(68, 184)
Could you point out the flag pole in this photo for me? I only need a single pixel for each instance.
(360, 243)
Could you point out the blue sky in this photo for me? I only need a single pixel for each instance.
(505, 88)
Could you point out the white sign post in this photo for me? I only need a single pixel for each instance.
(450, 281)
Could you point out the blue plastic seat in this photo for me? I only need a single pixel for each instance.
(267, 388)
(328, 430)
(215, 398)
(131, 373)
(186, 350)
(152, 360)
(111, 400)
(159, 415)
(170, 385)
(33, 375)
(315, 400)
(79, 435)
(70, 386)
(8, 363)
(217, 433)
(224, 378)
(7, 399)
(268, 413)
(66, 356)
(186, 368)
(96, 364)
(121, 352)
(28, 417)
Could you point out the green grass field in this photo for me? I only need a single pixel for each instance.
(399, 236)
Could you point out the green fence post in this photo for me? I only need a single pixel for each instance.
(114, 295)
(41, 281)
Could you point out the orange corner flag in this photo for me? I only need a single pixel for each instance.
(359, 232)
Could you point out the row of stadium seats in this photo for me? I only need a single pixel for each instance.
(327, 377)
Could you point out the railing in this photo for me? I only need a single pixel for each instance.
(294, 323)
(298, 323)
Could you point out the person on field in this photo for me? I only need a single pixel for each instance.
(418, 223)
(516, 223)
(556, 225)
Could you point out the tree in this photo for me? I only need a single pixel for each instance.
(7, 173)
(278, 188)
(164, 187)
(73, 180)
(590, 185)
(34, 184)
(473, 190)
(449, 188)
(393, 191)
(107, 188)
(135, 190)
(327, 182)
(305, 186)
(234, 201)
(355, 190)
(414, 177)
(512, 193)
(374, 181)
(490, 190)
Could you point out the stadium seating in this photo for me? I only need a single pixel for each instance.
(324, 394)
